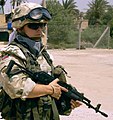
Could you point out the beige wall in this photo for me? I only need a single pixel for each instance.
(2, 19)
(84, 24)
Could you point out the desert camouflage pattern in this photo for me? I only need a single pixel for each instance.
(17, 86)
(22, 10)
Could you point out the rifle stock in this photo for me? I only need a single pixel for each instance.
(42, 77)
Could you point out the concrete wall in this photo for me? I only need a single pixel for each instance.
(2, 20)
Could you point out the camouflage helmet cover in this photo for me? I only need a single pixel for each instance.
(23, 10)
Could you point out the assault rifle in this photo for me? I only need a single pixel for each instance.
(42, 77)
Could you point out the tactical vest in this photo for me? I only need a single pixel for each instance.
(41, 108)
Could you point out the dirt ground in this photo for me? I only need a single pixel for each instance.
(91, 72)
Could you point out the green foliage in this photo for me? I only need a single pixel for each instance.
(62, 25)
(111, 43)
(111, 31)
(111, 28)
(70, 6)
(108, 15)
(62, 29)
(97, 9)
(93, 33)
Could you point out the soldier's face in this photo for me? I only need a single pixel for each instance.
(33, 30)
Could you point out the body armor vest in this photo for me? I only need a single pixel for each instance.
(41, 108)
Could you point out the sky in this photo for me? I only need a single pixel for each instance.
(82, 4)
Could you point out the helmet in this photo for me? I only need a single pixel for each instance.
(29, 13)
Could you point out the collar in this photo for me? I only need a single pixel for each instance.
(33, 46)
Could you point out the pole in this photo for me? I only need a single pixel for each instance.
(109, 38)
(80, 30)
(107, 28)
(79, 36)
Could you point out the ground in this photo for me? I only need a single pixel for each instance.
(91, 72)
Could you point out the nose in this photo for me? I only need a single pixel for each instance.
(39, 29)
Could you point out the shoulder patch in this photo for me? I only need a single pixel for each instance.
(4, 57)
(14, 51)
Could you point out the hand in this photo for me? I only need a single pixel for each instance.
(75, 104)
(57, 89)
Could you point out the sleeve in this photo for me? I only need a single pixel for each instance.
(17, 86)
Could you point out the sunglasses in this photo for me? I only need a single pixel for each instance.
(35, 26)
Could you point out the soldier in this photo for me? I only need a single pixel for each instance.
(23, 99)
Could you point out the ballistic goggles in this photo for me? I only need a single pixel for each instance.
(36, 14)
(35, 26)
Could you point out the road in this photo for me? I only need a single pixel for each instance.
(91, 72)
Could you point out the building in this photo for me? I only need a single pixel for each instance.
(84, 24)
(4, 34)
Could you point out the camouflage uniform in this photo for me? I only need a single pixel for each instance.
(18, 87)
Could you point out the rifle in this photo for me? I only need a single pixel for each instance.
(42, 77)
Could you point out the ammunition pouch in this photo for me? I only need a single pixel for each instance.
(45, 106)
(35, 108)
(6, 105)
(59, 73)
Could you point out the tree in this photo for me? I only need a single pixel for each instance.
(108, 15)
(70, 6)
(97, 9)
(61, 25)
